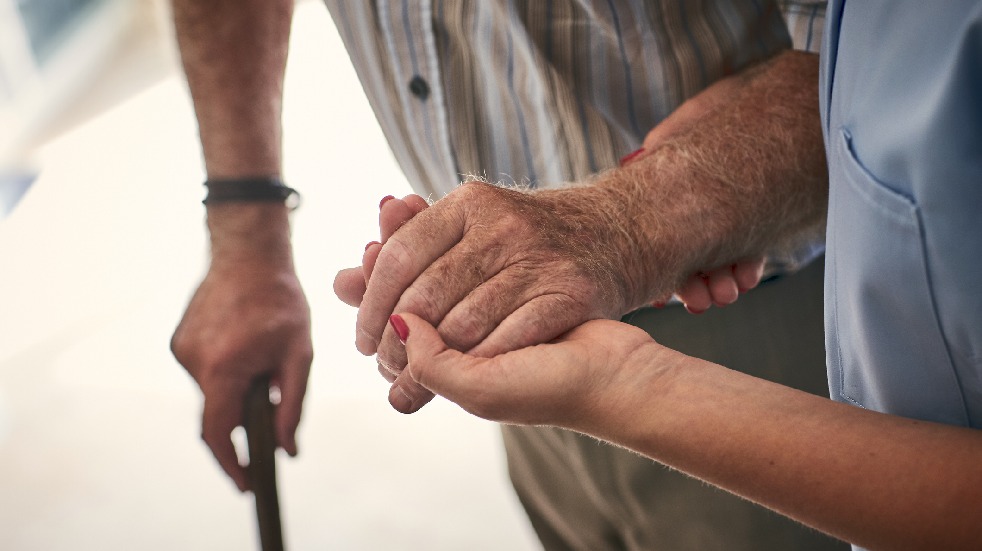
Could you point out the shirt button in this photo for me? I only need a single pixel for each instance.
(419, 87)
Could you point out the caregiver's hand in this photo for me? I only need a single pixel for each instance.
(575, 381)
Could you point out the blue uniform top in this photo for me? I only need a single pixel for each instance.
(902, 114)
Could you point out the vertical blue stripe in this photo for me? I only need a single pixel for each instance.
(628, 81)
(515, 100)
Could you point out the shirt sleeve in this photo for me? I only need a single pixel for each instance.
(805, 20)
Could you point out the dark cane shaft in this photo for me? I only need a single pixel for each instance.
(262, 464)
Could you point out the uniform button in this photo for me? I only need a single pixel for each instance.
(419, 87)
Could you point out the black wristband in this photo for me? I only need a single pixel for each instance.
(261, 189)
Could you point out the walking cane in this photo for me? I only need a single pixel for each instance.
(262, 464)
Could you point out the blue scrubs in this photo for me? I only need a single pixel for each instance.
(902, 114)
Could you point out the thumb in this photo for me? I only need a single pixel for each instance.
(349, 286)
(432, 363)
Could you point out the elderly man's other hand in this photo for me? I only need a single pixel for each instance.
(249, 317)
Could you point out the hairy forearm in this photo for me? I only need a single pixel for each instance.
(234, 56)
(880, 481)
(740, 173)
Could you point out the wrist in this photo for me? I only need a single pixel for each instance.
(249, 232)
(612, 215)
(255, 189)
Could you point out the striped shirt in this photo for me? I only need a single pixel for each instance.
(540, 92)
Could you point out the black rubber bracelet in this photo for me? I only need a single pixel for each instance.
(262, 189)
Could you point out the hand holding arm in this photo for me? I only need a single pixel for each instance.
(880, 481)
(495, 269)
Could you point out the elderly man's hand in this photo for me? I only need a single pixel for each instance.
(248, 318)
(720, 286)
(496, 270)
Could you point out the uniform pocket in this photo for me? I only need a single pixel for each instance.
(885, 349)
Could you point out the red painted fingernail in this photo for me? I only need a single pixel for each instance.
(631, 156)
(658, 304)
(370, 243)
(385, 200)
(400, 327)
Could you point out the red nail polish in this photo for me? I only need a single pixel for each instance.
(385, 200)
(400, 327)
(631, 156)
(370, 243)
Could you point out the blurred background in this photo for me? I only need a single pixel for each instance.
(101, 244)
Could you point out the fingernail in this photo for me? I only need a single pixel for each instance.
(693, 311)
(384, 200)
(370, 243)
(400, 327)
(658, 304)
(630, 156)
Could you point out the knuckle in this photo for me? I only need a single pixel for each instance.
(470, 189)
(420, 299)
(464, 331)
(395, 257)
(386, 374)
(388, 367)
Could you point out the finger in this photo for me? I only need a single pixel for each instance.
(222, 413)
(695, 295)
(537, 321)
(480, 385)
(349, 285)
(466, 270)
(292, 381)
(368, 261)
(661, 302)
(722, 286)
(475, 316)
(387, 373)
(433, 366)
(416, 203)
(393, 214)
(748, 273)
(408, 396)
(403, 258)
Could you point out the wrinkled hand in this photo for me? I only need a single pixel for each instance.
(573, 382)
(249, 317)
(721, 286)
(496, 269)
